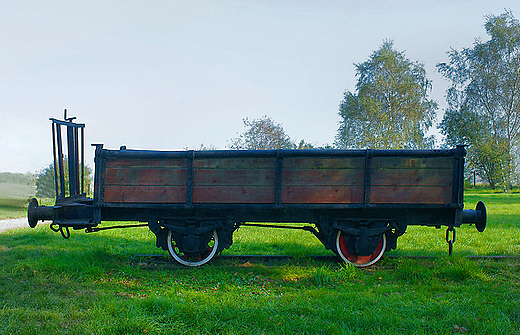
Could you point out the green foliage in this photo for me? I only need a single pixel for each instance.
(305, 146)
(390, 108)
(484, 100)
(262, 134)
(45, 184)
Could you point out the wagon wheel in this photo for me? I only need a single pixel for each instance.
(193, 260)
(359, 261)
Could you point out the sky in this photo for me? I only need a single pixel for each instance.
(172, 75)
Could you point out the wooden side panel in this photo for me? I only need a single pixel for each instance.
(147, 163)
(411, 180)
(323, 177)
(238, 177)
(410, 195)
(145, 180)
(311, 180)
(145, 194)
(324, 163)
(411, 163)
(145, 176)
(412, 177)
(233, 194)
(322, 194)
(323, 180)
(234, 180)
(236, 163)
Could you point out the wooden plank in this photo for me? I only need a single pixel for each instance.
(412, 177)
(247, 177)
(410, 195)
(145, 176)
(177, 163)
(235, 163)
(233, 194)
(323, 177)
(324, 163)
(411, 163)
(145, 194)
(321, 195)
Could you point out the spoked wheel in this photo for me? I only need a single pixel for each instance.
(193, 260)
(356, 260)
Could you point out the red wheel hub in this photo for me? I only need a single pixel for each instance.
(358, 260)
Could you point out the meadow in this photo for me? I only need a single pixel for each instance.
(94, 283)
(14, 198)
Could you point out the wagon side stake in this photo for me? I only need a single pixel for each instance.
(450, 241)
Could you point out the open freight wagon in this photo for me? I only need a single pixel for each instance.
(356, 202)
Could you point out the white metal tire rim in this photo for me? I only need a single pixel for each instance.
(345, 259)
(188, 263)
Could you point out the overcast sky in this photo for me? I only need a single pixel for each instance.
(172, 75)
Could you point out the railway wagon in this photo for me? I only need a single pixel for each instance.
(356, 202)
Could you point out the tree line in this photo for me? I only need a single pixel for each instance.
(17, 178)
(390, 107)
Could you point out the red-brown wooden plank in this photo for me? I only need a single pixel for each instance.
(145, 176)
(324, 163)
(233, 194)
(178, 163)
(323, 177)
(321, 195)
(412, 177)
(411, 163)
(410, 195)
(248, 177)
(235, 163)
(145, 194)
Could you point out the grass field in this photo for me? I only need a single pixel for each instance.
(92, 284)
(14, 198)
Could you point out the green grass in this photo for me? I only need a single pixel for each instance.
(93, 284)
(14, 198)
(12, 208)
(16, 190)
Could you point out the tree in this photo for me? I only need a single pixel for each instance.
(390, 108)
(261, 134)
(305, 146)
(484, 100)
(45, 185)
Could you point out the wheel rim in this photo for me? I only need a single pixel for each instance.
(359, 261)
(211, 250)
